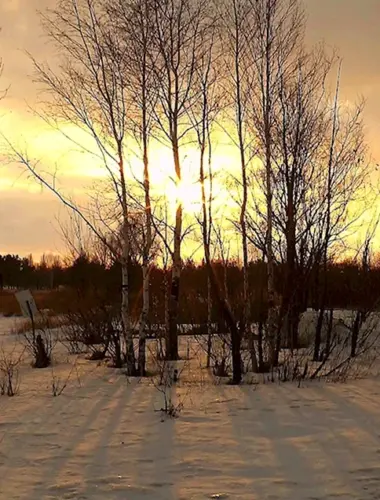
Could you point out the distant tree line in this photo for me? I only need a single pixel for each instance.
(348, 287)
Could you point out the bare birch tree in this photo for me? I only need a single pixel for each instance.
(278, 28)
(236, 28)
(134, 21)
(90, 90)
(203, 116)
(299, 131)
(307, 178)
(178, 28)
(346, 170)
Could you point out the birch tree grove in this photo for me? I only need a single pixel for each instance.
(186, 76)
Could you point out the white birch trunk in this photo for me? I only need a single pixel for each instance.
(126, 320)
(147, 246)
(172, 348)
(144, 321)
(209, 323)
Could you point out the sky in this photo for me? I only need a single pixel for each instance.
(28, 215)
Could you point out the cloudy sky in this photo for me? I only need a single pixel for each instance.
(28, 216)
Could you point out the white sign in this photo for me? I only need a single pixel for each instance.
(27, 304)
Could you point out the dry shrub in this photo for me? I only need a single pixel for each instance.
(166, 376)
(59, 384)
(9, 370)
(40, 323)
(97, 328)
(220, 356)
(71, 338)
(164, 382)
(8, 304)
(40, 341)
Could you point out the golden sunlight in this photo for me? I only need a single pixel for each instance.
(187, 192)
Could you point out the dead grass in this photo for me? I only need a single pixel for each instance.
(8, 304)
(53, 301)
(41, 323)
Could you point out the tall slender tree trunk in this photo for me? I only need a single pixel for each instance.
(125, 315)
(144, 321)
(209, 230)
(330, 326)
(225, 280)
(355, 332)
(172, 350)
(246, 320)
(292, 282)
(166, 286)
(327, 235)
(267, 108)
(209, 322)
(238, 40)
(148, 243)
(272, 315)
(206, 232)
(320, 318)
(166, 309)
(206, 228)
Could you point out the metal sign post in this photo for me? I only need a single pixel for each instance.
(28, 306)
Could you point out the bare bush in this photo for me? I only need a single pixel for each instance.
(215, 345)
(40, 341)
(167, 379)
(336, 362)
(99, 329)
(40, 323)
(220, 356)
(70, 339)
(59, 384)
(166, 376)
(9, 370)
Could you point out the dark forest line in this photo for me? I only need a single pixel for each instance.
(58, 287)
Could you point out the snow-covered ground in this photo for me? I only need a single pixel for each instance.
(102, 438)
